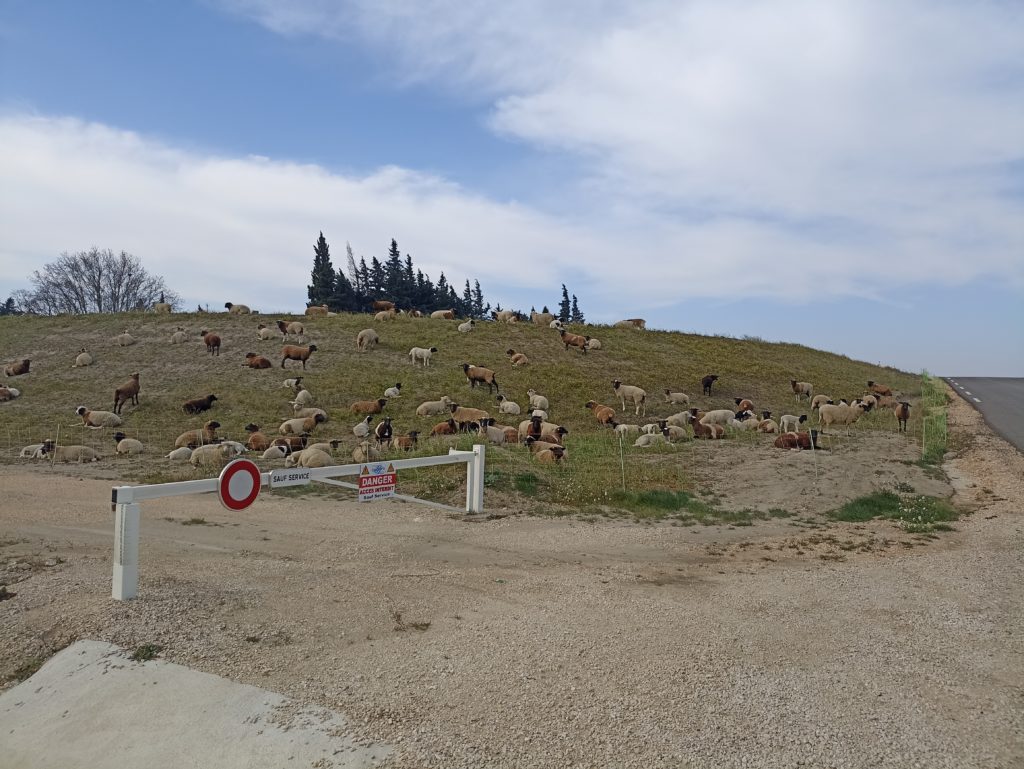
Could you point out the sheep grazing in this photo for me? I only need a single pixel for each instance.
(443, 315)
(381, 305)
(819, 400)
(368, 407)
(297, 352)
(743, 404)
(125, 339)
(252, 360)
(433, 408)
(879, 389)
(537, 401)
(423, 354)
(301, 425)
(366, 340)
(212, 342)
(98, 419)
(256, 441)
(839, 414)
(801, 389)
(192, 438)
(504, 316)
(319, 309)
(517, 358)
(384, 315)
(869, 401)
(126, 445)
(466, 327)
(394, 392)
(77, 454)
(264, 333)
(303, 397)
(237, 309)
(676, 397)
(180, 336)
(605, 415)
(198, 405)
(573, 340)
(505, 406)
(383, 432)
(293, 328)
(162, 306)
(405, 442)
(798, 441)
(17, 368)
(129, 391)
(886, 402)
(82, 360)
(464, 416)
(364, 452)
(788, 423)
(180, 454)
(593, 344)
(541, 318)
(902, 413)
(447, 427)
(638, 323)
(629, 392)
(479, 375)
(707, 381)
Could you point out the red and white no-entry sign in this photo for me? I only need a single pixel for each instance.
(238, 484)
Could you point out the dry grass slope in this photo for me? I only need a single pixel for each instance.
(338, 374)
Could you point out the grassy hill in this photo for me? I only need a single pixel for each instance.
(338, 374)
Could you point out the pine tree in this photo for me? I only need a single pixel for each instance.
(378, 280)
(466, 303)
(480, 310)
(353, 273)
(364, 277)
(393, 273)
(564, 309)
(441, 294)
(322, 287)
(575, 316)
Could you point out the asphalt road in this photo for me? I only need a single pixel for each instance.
(999, 399)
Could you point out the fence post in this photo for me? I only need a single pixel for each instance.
(475, 480)
(126, 551)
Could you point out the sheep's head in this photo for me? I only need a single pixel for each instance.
(252, 427)
(81, 410)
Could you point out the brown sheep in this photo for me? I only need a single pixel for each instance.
(445, 428)
(295, 328)
(129, 391)
(201, 437)
(632, 323)
(744, 404)
(368, 407)
(405, 442)
(517, 358)
(320, 309)
(257, 441)
(291, 442)
(443, 315)
(17, 368)
(604, 414)
(573, 340)
(199, 405)
(380, 305)
(552, 455)
(879, 389)
(800, 389)
(252, 360)
(464, 416)
(297, 352)
(707, 381)
(902, 413)
(802, 441)
(301, 425)
(212, 342)
(479, 375)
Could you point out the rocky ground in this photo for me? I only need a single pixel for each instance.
(538, 642)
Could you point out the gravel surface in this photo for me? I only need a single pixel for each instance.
(533, 642)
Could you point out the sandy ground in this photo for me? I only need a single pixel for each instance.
(527, 641)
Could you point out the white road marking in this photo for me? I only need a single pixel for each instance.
(977, 400)
(967, 392)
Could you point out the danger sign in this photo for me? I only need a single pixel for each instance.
(377, 481)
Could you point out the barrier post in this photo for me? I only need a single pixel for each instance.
(475, 480)
(126, 551)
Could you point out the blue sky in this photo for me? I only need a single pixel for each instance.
(846, 175)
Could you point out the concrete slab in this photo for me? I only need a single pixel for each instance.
(92, 707)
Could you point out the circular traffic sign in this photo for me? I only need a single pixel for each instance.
(238, 484)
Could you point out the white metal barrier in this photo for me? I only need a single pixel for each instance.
(125, 502)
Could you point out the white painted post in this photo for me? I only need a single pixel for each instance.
(126, 551)
(475, 480)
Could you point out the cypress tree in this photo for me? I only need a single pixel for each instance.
(575, 315)
(321, 289)
(564, 309)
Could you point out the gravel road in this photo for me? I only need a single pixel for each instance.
(535, 642)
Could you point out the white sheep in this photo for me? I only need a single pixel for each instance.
(367, 339)
(364, 452)
(466, 327)
(125, 445)
(840, 414)
(300, 411)
(556, 324)
(214, 453)
(720, 417)
(69, 453)
(820, 400)
(801, 389)
(789, 423)
(84, 359)
(32, 451)
(422, 354)
(303, 398)
(311, 456)
(673, 433)
(180, 454)
(125, 339)
(265, 332)
(627, 429)
(180, 336)
(237, 309)
(434, 408)
(362, 429)
(630, 392)
(98, 419)
(394, 392)
(537, 401)
(593, 344)
(293, 383)
(678, 398)
(505, 406)
(650, 428)
(682, 419)
(8, 393)
(275, 452)
(650, 439)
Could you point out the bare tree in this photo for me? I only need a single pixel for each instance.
(94, 281)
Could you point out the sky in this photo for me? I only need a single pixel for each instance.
(846, 175)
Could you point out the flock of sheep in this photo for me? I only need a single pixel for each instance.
(293, 439)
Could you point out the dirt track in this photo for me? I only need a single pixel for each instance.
(541, 642)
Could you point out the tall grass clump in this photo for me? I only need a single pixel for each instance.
(934, 429)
